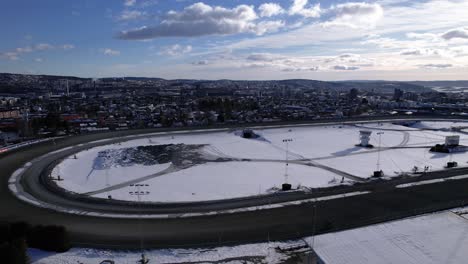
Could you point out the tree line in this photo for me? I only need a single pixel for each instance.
(15, 238)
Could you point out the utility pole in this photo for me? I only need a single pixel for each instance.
(314, 224)
(378, 152)
(109, 196)
(287, 158)
(139, 193)
(25, 121)
(379, 173)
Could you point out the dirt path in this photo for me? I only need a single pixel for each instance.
(170, 169)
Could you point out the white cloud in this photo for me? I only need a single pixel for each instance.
(345, 23)
(270, 9)
(385, 43)
(430, 16)
(129, 2)
(67, 46)
(356, 15)
(346, 55)
(457, 33)
(200, 19)
(43, 46)
(23, 50)
(415, 52)
(264, 57)
(176, 50)
(294, 63)
(312, 34)
(299, 8)
(200, 62)
(460, 51)
(264, 27)
(10, 55)
(38, 60)
(436, 65)
(15, 54)
(110, 52)
(345, 68)
(128, 15)
(428, 52)
(347, 61)
(280, 62)
(301, 69)
(405, 45)
(424, 36)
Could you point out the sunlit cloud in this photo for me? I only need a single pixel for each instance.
(110, 52)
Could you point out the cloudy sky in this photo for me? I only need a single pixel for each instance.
(237, 39)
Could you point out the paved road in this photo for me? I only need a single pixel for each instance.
(383, 202)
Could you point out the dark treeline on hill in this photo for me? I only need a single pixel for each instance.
(15, 238)
(441, 83)
(23, 83)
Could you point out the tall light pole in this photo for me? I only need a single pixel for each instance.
(25, 121)
(107, 183)
(286, 141)
(139, 193)
(314, 224)
(378, 151)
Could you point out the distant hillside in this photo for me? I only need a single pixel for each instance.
(6, 77)
(386, 86)
(441, 83)
(378, 86)
(23, 83)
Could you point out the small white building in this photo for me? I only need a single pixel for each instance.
(364, 137)
(452, 141)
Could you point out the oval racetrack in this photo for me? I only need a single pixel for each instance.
(201, 224)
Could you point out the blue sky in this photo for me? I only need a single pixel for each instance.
(237, 39)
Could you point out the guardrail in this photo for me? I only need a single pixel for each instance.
(23, 144)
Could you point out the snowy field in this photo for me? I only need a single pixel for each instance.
(428, 239)
(220, 165)
(251, 253)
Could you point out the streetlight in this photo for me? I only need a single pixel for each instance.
(378, 172)
(286, 186)
(139, 193)
(314, 224)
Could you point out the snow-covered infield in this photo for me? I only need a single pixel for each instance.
(233, 166)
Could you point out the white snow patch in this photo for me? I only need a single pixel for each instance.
(430, 239)
(264, 251)
(214, 180)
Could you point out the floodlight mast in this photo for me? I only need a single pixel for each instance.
(138, 193)
(287, 140)
(378, 151)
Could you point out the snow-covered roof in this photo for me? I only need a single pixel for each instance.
(430, 239)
